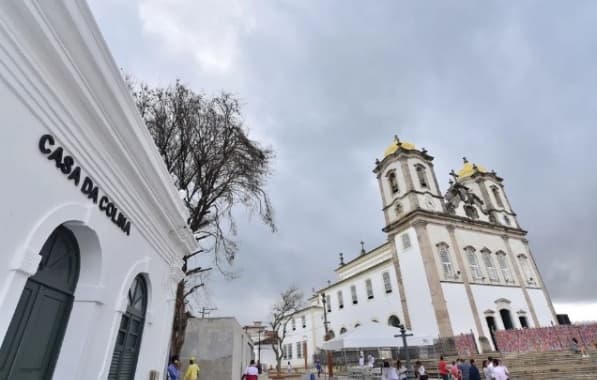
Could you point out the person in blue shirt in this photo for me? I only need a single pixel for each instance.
(174, 369)
(474, 373)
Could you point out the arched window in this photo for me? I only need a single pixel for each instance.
(331, 334)
(471, 211)
(422, 175)
(304, 321)
(342, 330)
(526, 268)
(328, 301)
(503, 263)
(473, 263)
(393, 182)
(444, 256)
(394, 321)
(387, 284)
(497, 196)
(340, 300)
(128, 340)
(293, 323)
(357, 325)
(488, 260)
(353, 292)
(369, 288)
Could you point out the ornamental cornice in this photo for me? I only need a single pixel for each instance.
(57, 63)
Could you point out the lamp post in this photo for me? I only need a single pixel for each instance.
(258, 324)
(327, 335)
(404, 334)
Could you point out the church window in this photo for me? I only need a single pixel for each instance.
(284, 352)
(444, 256)
(398, 208)
(506, 220)
(526, 268)
(393, 182)
(471, 211)
(353, 292)
(289, 350)
(304, 320)
(474, 263)
(299, 350)
(293, 323)
(422, 175)
(497, 196)
(342, 330)
(394, 321)
(357, 325)
(369, 287)
(340, 300)
(331, 334)
(503, 263)
(405, 241)
(328, 301)
(386, 282)
(491, 270)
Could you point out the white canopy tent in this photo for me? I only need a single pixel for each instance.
(373, 335)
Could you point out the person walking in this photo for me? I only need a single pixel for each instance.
(455, 372)
(174, 369)
(442, 368)
(402, 371)
(486, 370)
(500, 372)
(465, 369)
(251, 372)
(388, 372)
(474, 373)
(193, 370)
(318, 367)
(420, 371)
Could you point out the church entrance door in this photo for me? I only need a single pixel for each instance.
(492, 327)
(34, 337)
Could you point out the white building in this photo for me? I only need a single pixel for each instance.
(452, 264)
(92, 228)
(304, 335)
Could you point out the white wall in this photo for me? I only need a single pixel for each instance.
(459, 308)
(542, 309)
(416, 287)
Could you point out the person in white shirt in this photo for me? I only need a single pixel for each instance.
(361, 360)
(388, 372)
(490, 368)
(371, 361)
(401, 371)
(420, 371)
(500, 372)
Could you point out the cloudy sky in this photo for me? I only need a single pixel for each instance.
(327, 84)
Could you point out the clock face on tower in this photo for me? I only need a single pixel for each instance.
(428, 203)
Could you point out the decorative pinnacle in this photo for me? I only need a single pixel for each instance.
(453, 174)
(396, 139)
(450, 182)
(341, 259)
(475, 166)
(465, 160)
(377, 161)
(424, 150)
(363, 248)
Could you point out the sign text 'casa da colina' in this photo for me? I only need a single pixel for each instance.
(67, 166)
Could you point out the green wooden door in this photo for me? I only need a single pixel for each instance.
(130, 331)
(32, 343)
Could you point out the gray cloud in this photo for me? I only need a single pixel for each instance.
(327, 84)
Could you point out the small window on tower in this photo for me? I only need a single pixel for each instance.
(393, 182)
(471, 212)
(405, 241)
(422, 174)
(497, 196)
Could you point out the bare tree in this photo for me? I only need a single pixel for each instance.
(290, 301)
(215, 165)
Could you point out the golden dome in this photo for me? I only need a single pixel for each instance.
(398, 144)
(468, 169)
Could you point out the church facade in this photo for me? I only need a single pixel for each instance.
(453, 263)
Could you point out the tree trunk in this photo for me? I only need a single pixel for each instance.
(179, 325)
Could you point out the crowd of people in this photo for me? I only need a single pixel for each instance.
(460, 369)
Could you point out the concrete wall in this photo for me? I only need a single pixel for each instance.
(220, 346)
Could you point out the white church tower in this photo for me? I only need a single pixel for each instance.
(463, 262)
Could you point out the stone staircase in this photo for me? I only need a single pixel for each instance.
(536, 365)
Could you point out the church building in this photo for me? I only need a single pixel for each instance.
(454, 263)
(93, 230)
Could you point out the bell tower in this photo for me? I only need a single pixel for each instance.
(407, 181)
(488, 187)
